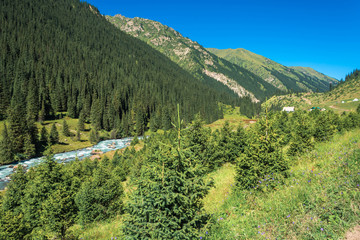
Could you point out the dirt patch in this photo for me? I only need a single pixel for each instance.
(335, 107)
(353, 234)
(306, 100)
(249, 121)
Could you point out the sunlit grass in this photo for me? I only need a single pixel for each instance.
(319, 200)
(224, 179)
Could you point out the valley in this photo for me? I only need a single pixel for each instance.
(147, 134)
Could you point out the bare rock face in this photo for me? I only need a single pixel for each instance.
(232, 84)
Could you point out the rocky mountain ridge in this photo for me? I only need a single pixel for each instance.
(194, 58)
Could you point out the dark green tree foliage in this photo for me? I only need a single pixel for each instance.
(94, 136)
(301, 134)
(166, 119)
(15, 191)
(166, 203)
(54, 134)
(140, 122)
(196, 141)
(41, 183)
(6, 153)
(44, 136)
(262, 157)
(66, 130)
(16, 128)
(100, 197)
(227, 149)
(78, 135)
(81, 122)
(29, 147)
(324, 126)
(12, 217)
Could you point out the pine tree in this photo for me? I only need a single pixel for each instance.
(78, 135)
(6, 154)
(94, 138)
(29, 147)
(140, 122)
(166, 119)
(301, 134)
(54, 134)
(262, 158)
(167, 200)
(100, 197)
(44, 138)
(66, 130)
(81, 122)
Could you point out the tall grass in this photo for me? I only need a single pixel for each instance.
(320, 199)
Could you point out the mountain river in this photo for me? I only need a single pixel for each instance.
(104, 146)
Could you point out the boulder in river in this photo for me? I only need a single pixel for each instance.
(95, 157)
(96, 152)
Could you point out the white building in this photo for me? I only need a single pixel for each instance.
(289, 109)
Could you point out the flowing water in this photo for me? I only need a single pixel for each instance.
(104, 146)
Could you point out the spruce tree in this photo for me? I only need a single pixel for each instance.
(262, 158)
(100, 197)
(54, 134)
(166, 119)
(301, 134)
(44, 138)
(66, 130)
(29, 147)
(94, 138)
(140, 122)
(81, 122)
(78, 135)
(167, 200)
(6, 153)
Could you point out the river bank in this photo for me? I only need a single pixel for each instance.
(103, 146)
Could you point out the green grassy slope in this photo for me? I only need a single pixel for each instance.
(320, 200)
(339, 99)
(285, 78)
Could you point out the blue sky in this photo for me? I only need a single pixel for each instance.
(324, 35)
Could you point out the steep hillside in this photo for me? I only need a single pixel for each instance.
(284, 78)
(313, 73)
(339, 99)
(195, 59)
(64, 56)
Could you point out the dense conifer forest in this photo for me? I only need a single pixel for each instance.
(64, 57)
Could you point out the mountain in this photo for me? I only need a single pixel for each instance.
(194, 58)
(64, 56)
(284, 78)
(313, 73)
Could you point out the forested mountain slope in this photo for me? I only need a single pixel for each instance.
(64, 56)
(284, 78)
(194, 58)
